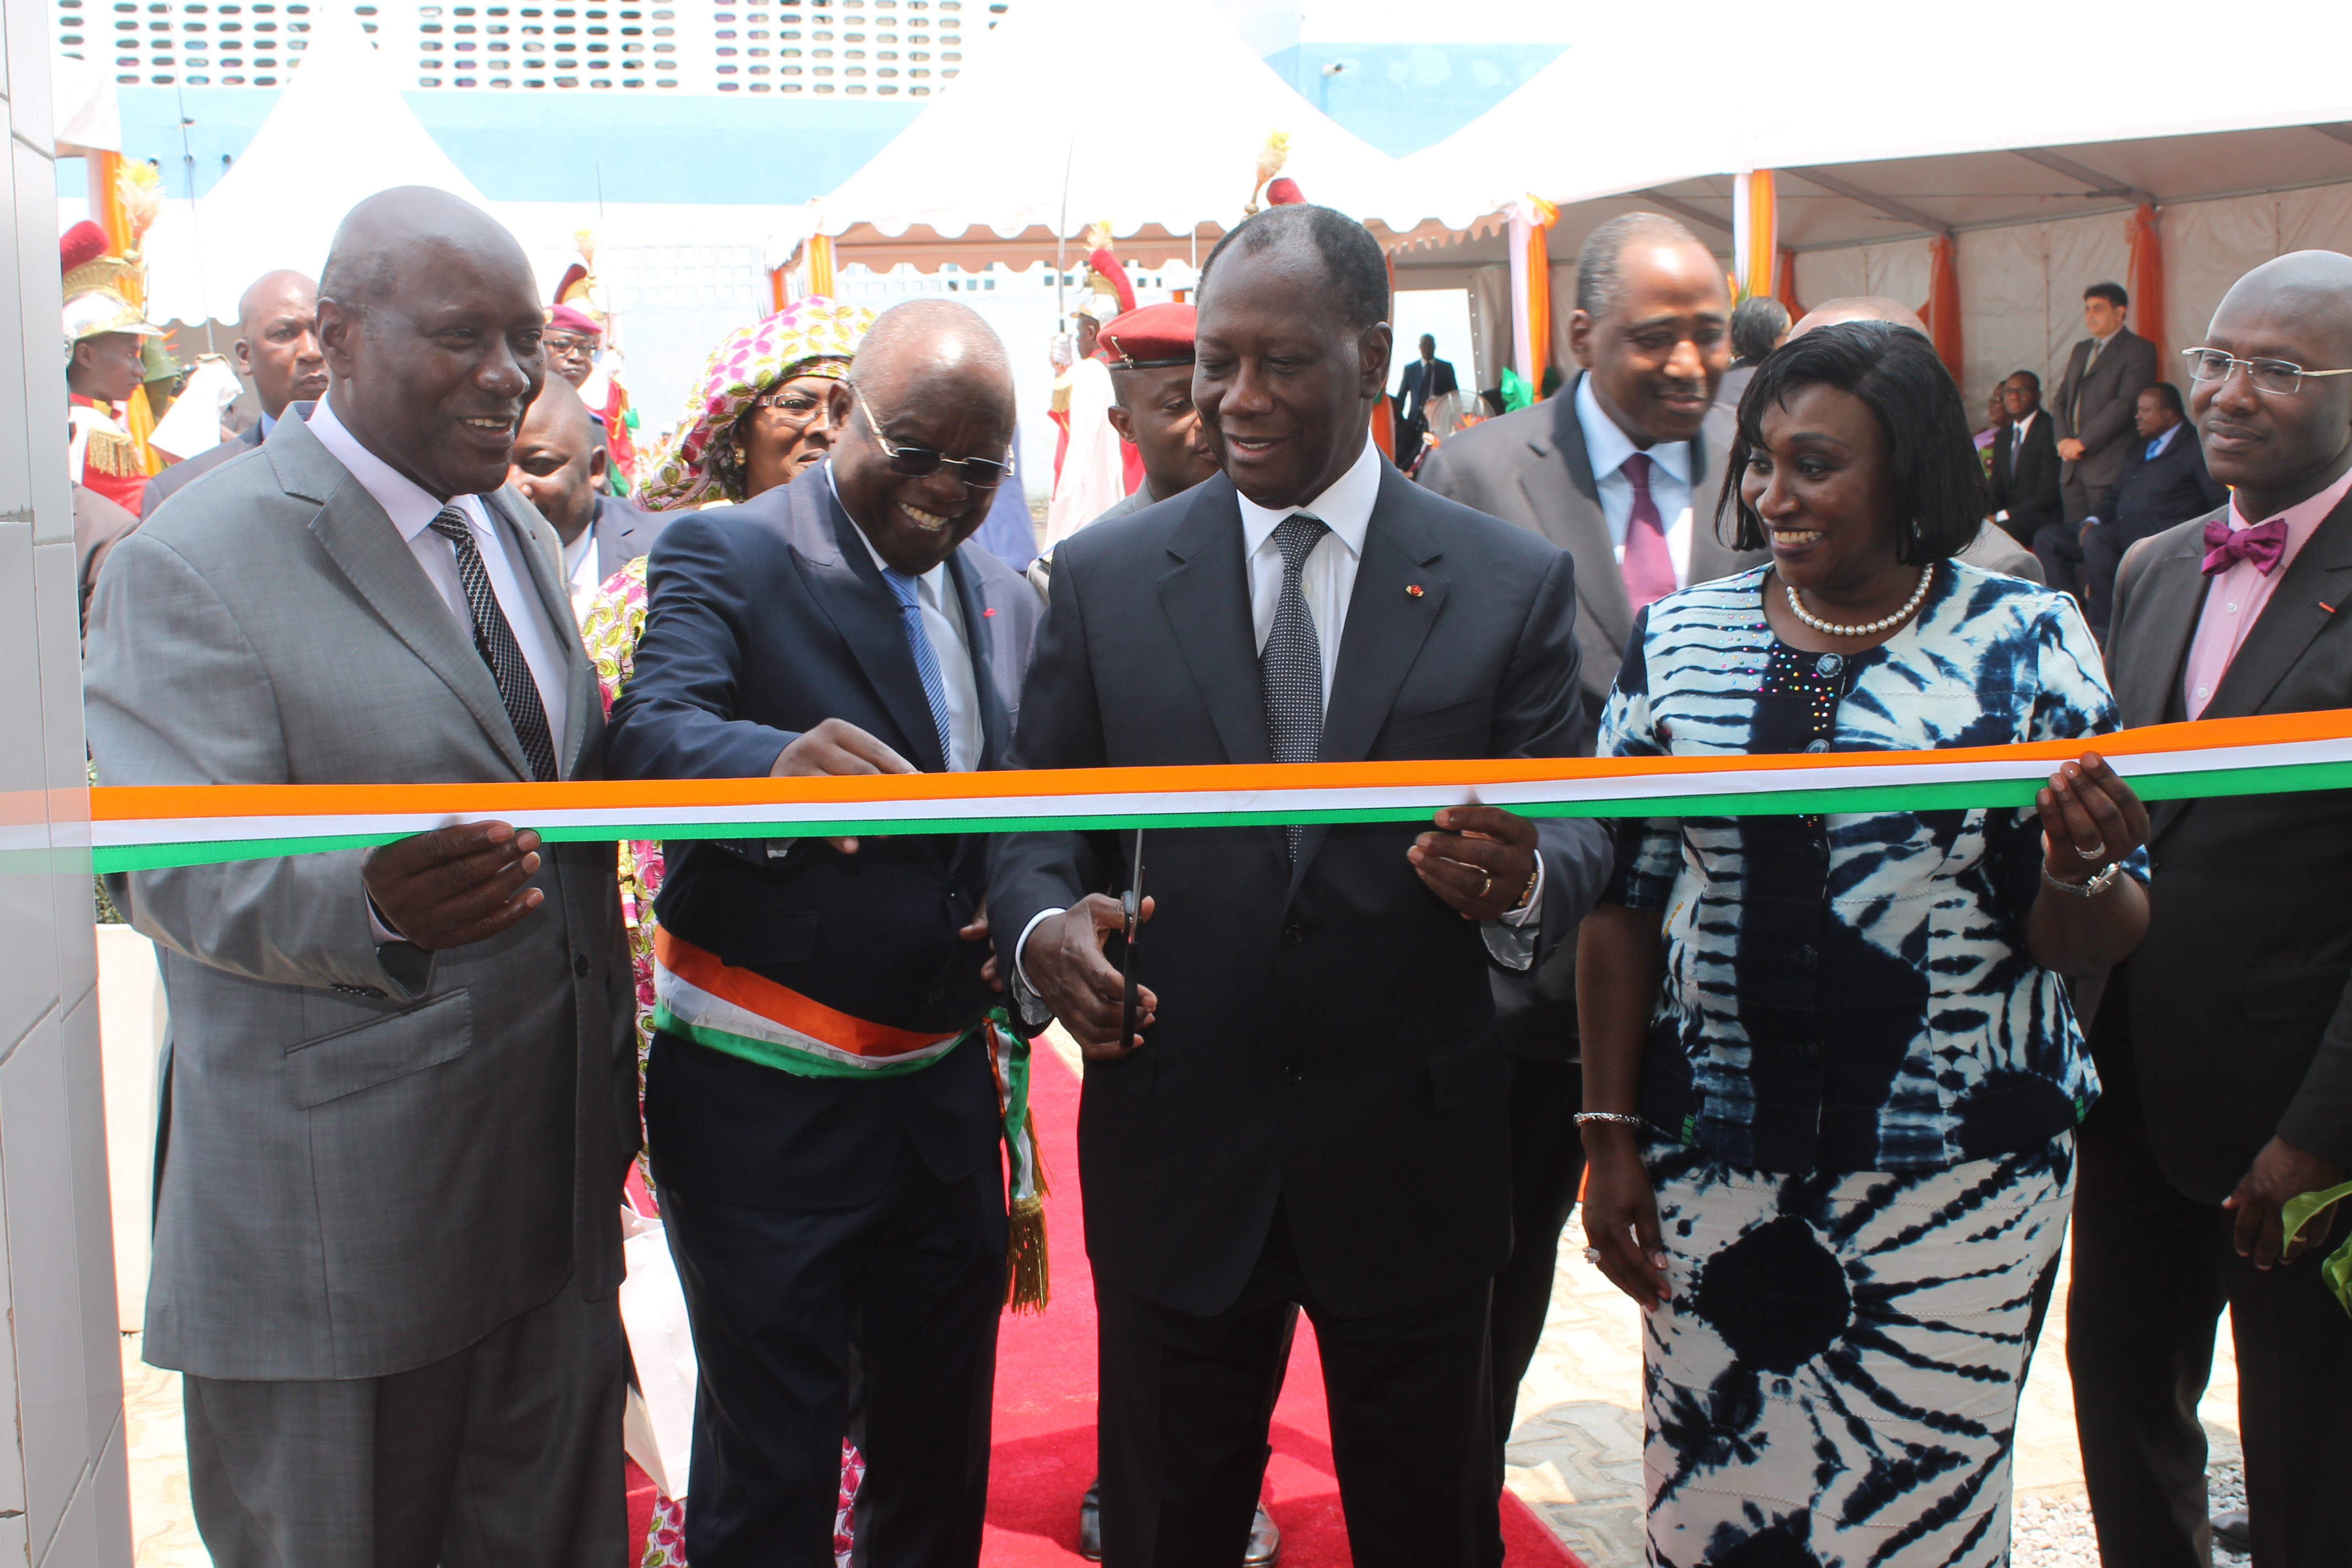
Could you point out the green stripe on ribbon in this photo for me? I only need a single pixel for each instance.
(784, 1059)
(1728, 800)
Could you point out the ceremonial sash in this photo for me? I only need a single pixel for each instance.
(746, 1014)
(732, 1009)
(142, 827)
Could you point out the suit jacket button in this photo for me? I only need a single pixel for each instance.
(579, 965)
(1292, 936)
(936, 995)
(1292, 1073)
(1806, 959)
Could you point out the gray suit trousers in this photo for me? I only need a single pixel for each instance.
(506, 1455)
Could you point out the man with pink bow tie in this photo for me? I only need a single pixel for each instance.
(2224, 1043)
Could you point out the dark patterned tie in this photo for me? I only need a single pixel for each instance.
(494, 639)
(1290, 670)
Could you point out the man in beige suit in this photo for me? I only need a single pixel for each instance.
(402, 1092)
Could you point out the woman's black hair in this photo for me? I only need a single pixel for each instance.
(1940, 483)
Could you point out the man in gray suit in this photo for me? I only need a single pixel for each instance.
(402, 1093)
(1620, 468)
(277, 350)
(2105, 373)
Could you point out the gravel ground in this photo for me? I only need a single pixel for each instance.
(2055, 1532)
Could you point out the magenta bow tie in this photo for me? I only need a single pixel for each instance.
(2264, 545)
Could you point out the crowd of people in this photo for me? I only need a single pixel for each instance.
(1830, 1090)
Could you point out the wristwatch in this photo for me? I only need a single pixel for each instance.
(2090, 889)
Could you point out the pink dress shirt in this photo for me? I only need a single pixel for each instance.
(2234, 599)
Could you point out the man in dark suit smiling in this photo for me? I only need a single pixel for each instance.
(818, 1101)
(1314, 1111)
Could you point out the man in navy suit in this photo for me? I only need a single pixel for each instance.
(819, 1103)
(2163, 483)
(1316, 1113)
(2025, 467)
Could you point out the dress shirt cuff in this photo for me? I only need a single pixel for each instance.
(1511, 939)
(378, 927)
(1030, 1006)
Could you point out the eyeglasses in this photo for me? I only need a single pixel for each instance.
(800, 409)
(918, 462)
(2278, 375)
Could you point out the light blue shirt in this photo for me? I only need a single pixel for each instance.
(1607, 448)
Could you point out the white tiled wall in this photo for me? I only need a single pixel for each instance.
(63, 1488)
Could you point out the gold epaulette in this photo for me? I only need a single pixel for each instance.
(108, 453)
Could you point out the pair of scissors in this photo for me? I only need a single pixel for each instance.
(1132, 903)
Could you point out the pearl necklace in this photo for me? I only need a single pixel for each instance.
(1926, 575)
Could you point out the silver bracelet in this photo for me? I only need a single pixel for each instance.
(2091, 887)
(1612, 1118)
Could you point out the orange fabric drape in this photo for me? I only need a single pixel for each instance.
(1943, 311)
(1541, 216)
(2147, 275)
(776, 301)
(1756, 233)
(106, 206)
(818, 263)
(1383, 411)
(1786, 292)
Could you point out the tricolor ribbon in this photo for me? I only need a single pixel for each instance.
(140, 828)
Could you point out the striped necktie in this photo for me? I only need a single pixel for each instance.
(908, 591)
(494, 639)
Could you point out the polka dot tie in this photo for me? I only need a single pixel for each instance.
(494, 639)
(1290, 669)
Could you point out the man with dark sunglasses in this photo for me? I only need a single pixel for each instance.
(820, 1107)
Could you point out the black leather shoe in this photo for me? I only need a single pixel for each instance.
(1265, 1541)
(1090, 1524)
(1264, 1536)
(2231, 1534)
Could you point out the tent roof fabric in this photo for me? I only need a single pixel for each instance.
(339, 132)
(1038, 139)
(1918, 124)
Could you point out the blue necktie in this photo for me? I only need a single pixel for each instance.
(906, 590)
(2153, 448)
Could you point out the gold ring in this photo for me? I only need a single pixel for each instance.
(1487, 886)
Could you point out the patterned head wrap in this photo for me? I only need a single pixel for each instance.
(699, 463)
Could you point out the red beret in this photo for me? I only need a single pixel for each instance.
(83, 243)
(572, 318)
(1150, 338)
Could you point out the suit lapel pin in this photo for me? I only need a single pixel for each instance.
(990, 611)
(1412, 589)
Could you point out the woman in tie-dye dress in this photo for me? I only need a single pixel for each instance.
(1832, 1067)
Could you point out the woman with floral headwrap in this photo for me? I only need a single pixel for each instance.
(760, 420)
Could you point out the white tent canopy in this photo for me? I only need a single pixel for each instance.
(1887, 127)
(1035, 140)
(339, 132)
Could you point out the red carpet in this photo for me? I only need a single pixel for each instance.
(1046, 1404)
(1045, 1452)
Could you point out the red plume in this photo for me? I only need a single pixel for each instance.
(1283, 191)
(1112, 267)
(83, 243)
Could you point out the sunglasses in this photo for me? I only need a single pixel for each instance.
(918, 462)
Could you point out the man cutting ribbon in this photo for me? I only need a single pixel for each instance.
(819, 1100)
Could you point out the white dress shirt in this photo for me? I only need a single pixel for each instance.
(580, 571)
(412, 511)
(943, 625)
(1328, 577)
(1606, 448)
(1329, 582)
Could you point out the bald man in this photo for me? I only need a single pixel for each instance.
(277, 350)
(558, 464)
(2224, 1043)
(403, 1080)
(1992, 549)
(819, 1100)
